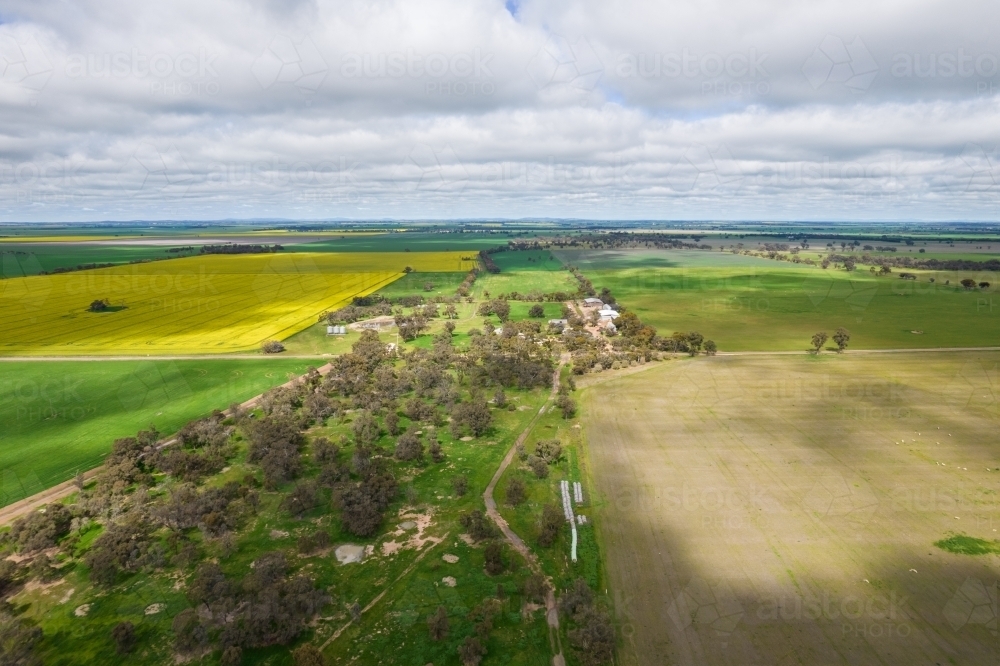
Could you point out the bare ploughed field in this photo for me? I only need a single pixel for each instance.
(783, 510)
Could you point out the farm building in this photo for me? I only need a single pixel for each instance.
(593, 302)
(558, 323)
(607, 314)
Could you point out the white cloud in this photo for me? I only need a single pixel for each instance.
(458, 109)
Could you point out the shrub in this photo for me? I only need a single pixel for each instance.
(124, 637)
(551, 523)
(494, 558)
(461, 485)
(549, 450)
(41, 529)
(534, 588)
(324, 451)
(437, 624)
(516, 492)
(272, 347)
(567, 405)
(409, 447)
(471, 652)
(478, 526)
(306, 495)
(538, 466)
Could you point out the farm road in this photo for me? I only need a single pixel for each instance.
(551, 611)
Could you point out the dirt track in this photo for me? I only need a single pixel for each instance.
(551, 611)
(766, 510)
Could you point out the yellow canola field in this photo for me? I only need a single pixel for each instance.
(204, 304)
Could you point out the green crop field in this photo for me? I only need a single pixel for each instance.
(748, 303)
(543, 273)
(60, 417)
(22, 259)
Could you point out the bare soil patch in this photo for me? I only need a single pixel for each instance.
(784, 509)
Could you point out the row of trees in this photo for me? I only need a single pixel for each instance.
(841, 337)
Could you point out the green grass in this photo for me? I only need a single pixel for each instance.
(314, 340)
(966, 545)
(544, 273)
(524, 518)
(21, 259)
(746, 303)
(412, 284)
(61, 417)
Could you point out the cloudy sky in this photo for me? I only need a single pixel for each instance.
(366, 109)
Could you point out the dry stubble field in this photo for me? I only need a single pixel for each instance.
(783, 510)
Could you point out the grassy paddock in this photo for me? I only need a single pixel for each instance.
(524, 519)
(747, 303)
(544, 273)
(61, 417)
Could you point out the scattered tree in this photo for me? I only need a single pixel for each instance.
(567, 406)
(324, 451)
(710, 347)
(123, 635)
(549, 450)
(494, 558)
(516, 492)
(593, 640)
(437, 624)
(471, 652)
(842, 336)
(818, 340)
(479, 527)
(272, 347)
(536, 311)
(538, 466)
(460, 485)
(694, 341)
(535, 588)
(366, 430)
(409, 447)
(550, 526)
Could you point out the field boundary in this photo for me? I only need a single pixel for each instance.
(12, 512)
(851, 352)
